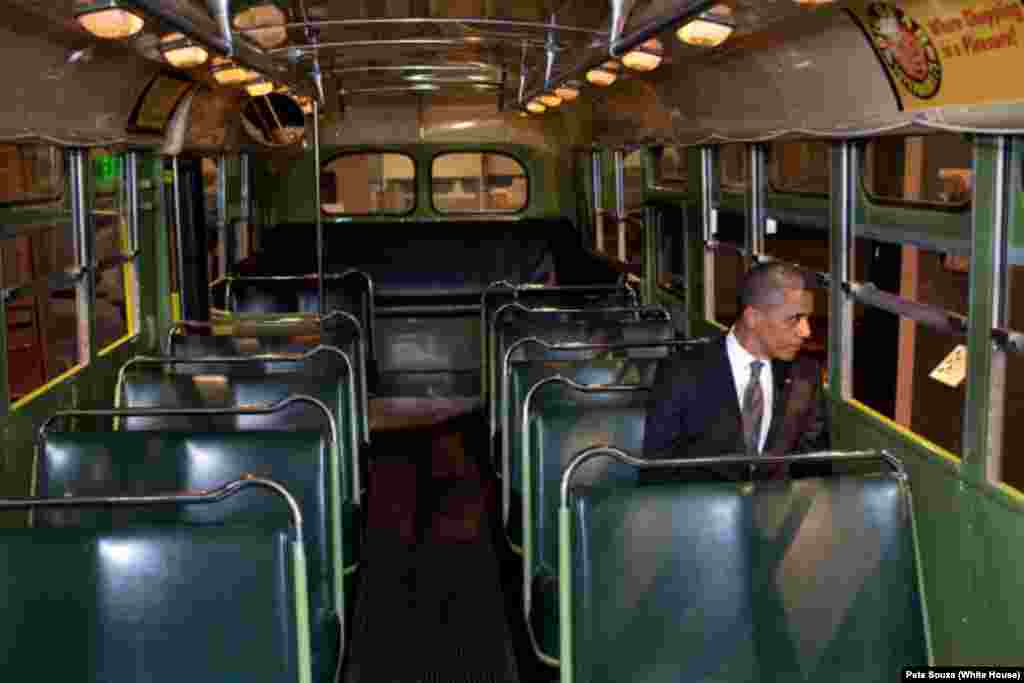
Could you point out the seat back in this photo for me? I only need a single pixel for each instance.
(560, 326)
(273, 335)
(501, 293)
(797, 580)
(561, 418)
(522, 375)
(140, 463)
(231, 383)
(157, 604)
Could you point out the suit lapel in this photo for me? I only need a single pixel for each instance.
(725, 382)
(780, 388)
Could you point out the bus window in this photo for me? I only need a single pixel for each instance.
(113, 250)
(799, 167)
(477, 182)
(1011, 463)
(633, 201)
(888, 346)
(734, 168)
(729, 267)
(214, 257)
(31, 173)
(373, 183)
(934, 169)
(670, 172)
(42, 320)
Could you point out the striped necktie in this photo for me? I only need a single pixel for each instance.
(753, 409)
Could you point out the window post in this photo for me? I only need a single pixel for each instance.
(990, 208)
(843, 210)
(597, 173)
(708, 191)
(85, 239)
(755, 200)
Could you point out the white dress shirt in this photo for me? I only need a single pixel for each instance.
(739, 361)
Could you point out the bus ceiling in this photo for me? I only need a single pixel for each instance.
(539, 72)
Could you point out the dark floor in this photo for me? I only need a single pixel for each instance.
(439, 596)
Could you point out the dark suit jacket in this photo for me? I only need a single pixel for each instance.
(693, 410)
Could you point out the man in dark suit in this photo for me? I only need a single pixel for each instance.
(747, 392)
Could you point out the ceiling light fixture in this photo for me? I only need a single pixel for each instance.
(645, 57)
(568, 91)
(259, 88)
(604, 75)
(107, 19)
(549, 100)
(182, 52)
(710, 29)
(226, 72)
(536, 107)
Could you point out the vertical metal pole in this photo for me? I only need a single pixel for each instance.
(223, 239)
(85, 238)
(319, 220)
(707, 198)
(245, 180)
(131, 170)
(842, 206)
(597, 172)
(620, 201)
(989, 221)
(179, 237)
(756, 199)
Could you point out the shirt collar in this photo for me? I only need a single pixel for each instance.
(739, 356)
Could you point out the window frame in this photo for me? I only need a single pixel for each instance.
(53, 201)
(463, 214)
(776, 189)
(882, 201)
(373, 214)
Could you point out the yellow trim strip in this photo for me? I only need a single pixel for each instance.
(114, 345)
(912, 436)
(36, 393)
(1009, 491)
(175, 306)
(717, 324)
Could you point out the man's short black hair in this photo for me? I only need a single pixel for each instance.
(766, 283)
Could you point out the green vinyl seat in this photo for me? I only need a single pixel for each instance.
(795, 580)
(561, 419)
(514, 323)
(126, 463)
(256, 335)
(498, 294)
(520, 377)
(324, 375)
(160, 604)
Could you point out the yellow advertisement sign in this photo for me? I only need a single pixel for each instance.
(948, 52)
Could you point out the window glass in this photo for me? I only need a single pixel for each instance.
(936, 169)
(729, 268)
(111, 247)
(800, 167)
(633, 201)
(31, 172)
(733, 166)
(670, 170)
(476, 182)
(894, 357)
(927, 277)
(1012, 460)
(672, 245)
(42, 322)
(371, 183)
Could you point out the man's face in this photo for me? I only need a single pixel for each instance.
(781, 329)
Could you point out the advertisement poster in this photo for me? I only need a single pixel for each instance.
(948, 52)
